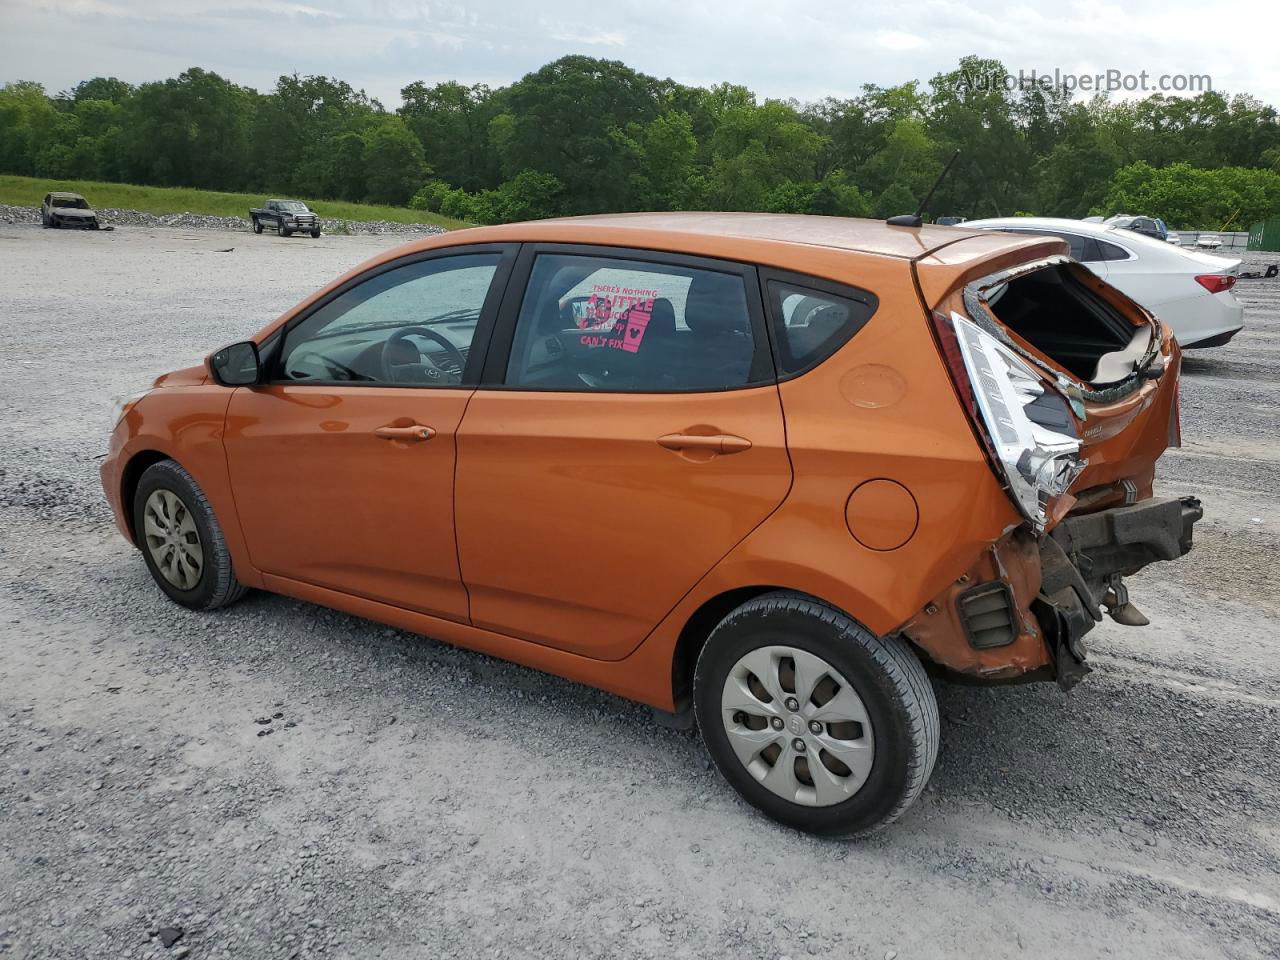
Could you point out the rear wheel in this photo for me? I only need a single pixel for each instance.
(257, 225)
(813, 719)
(181, 540)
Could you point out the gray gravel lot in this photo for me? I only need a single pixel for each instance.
(416, 800)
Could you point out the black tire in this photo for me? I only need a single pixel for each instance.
(886, 675)
(217, 585)
(315, 234)
(284, 231)
(257, 225)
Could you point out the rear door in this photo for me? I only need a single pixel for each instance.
(627, 436)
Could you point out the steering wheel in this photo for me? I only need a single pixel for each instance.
(401, 336)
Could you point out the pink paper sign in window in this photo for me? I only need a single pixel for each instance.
(615, 317)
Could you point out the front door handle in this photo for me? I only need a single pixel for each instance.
(415, 431)
(716, 443)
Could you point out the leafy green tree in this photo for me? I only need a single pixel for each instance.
(393, 162)
(895, 199)
(756, 149)
(909, 158)
(297, 128)
(563, 119)
(660, 156)
(192, 131)
(838, 196)
(110, 89)
(346, 176)
(972, 110)
(583, 135)
(452, 122)
(28, 120)
(1189, 197)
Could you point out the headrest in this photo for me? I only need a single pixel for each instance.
(662, 319)
(715, 304)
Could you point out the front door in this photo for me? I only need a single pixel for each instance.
(343, 464)
(635, 438)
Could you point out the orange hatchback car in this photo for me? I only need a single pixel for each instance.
(771, 470)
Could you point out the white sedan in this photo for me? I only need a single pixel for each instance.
(1189, 291)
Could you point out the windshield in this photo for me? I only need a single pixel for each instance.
(74, 203)
(292, 206)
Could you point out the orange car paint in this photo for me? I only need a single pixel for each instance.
(379, 511)
(601, 530)
(585, 548)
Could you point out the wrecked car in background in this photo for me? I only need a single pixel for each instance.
(767, 470)
(68, 210)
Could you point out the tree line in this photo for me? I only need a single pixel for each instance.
(583, 135)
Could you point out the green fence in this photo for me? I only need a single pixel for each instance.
(1265, 235)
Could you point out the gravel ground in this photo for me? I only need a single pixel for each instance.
(416, 800)
(115, 217)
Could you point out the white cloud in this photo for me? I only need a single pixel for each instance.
(806, 49)
(893, 40)
(592, 39)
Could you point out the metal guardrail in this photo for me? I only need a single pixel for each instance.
(1235, 241)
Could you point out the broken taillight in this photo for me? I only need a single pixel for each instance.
(1216, 282)
(1026, 425)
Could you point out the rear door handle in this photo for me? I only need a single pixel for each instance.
(415, 431)
(717, 443)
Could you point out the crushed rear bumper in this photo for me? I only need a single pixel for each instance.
(1020, 613)
(1084, 558)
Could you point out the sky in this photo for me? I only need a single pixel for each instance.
(805, 50)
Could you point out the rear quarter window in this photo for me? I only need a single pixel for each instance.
(813, 318)
(1110, 251)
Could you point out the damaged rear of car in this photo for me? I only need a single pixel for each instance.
(1071, 389)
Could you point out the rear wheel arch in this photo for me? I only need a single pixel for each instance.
(697, 629)
(693, 636)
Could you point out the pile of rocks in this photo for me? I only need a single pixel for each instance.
(136, 218)
(10, 214)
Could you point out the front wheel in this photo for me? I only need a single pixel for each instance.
(285, 231)
(315, 234)
(181, 540)
(813, 719)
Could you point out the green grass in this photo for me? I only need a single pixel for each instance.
(30, 191)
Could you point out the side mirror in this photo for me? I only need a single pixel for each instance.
(236, 365)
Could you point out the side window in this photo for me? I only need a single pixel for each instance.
(812, 324)
(1084, 249)
(611, 324)
(410, 325)
(1109, 251)
(1079, 245)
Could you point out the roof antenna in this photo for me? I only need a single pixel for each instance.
(914, 220)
